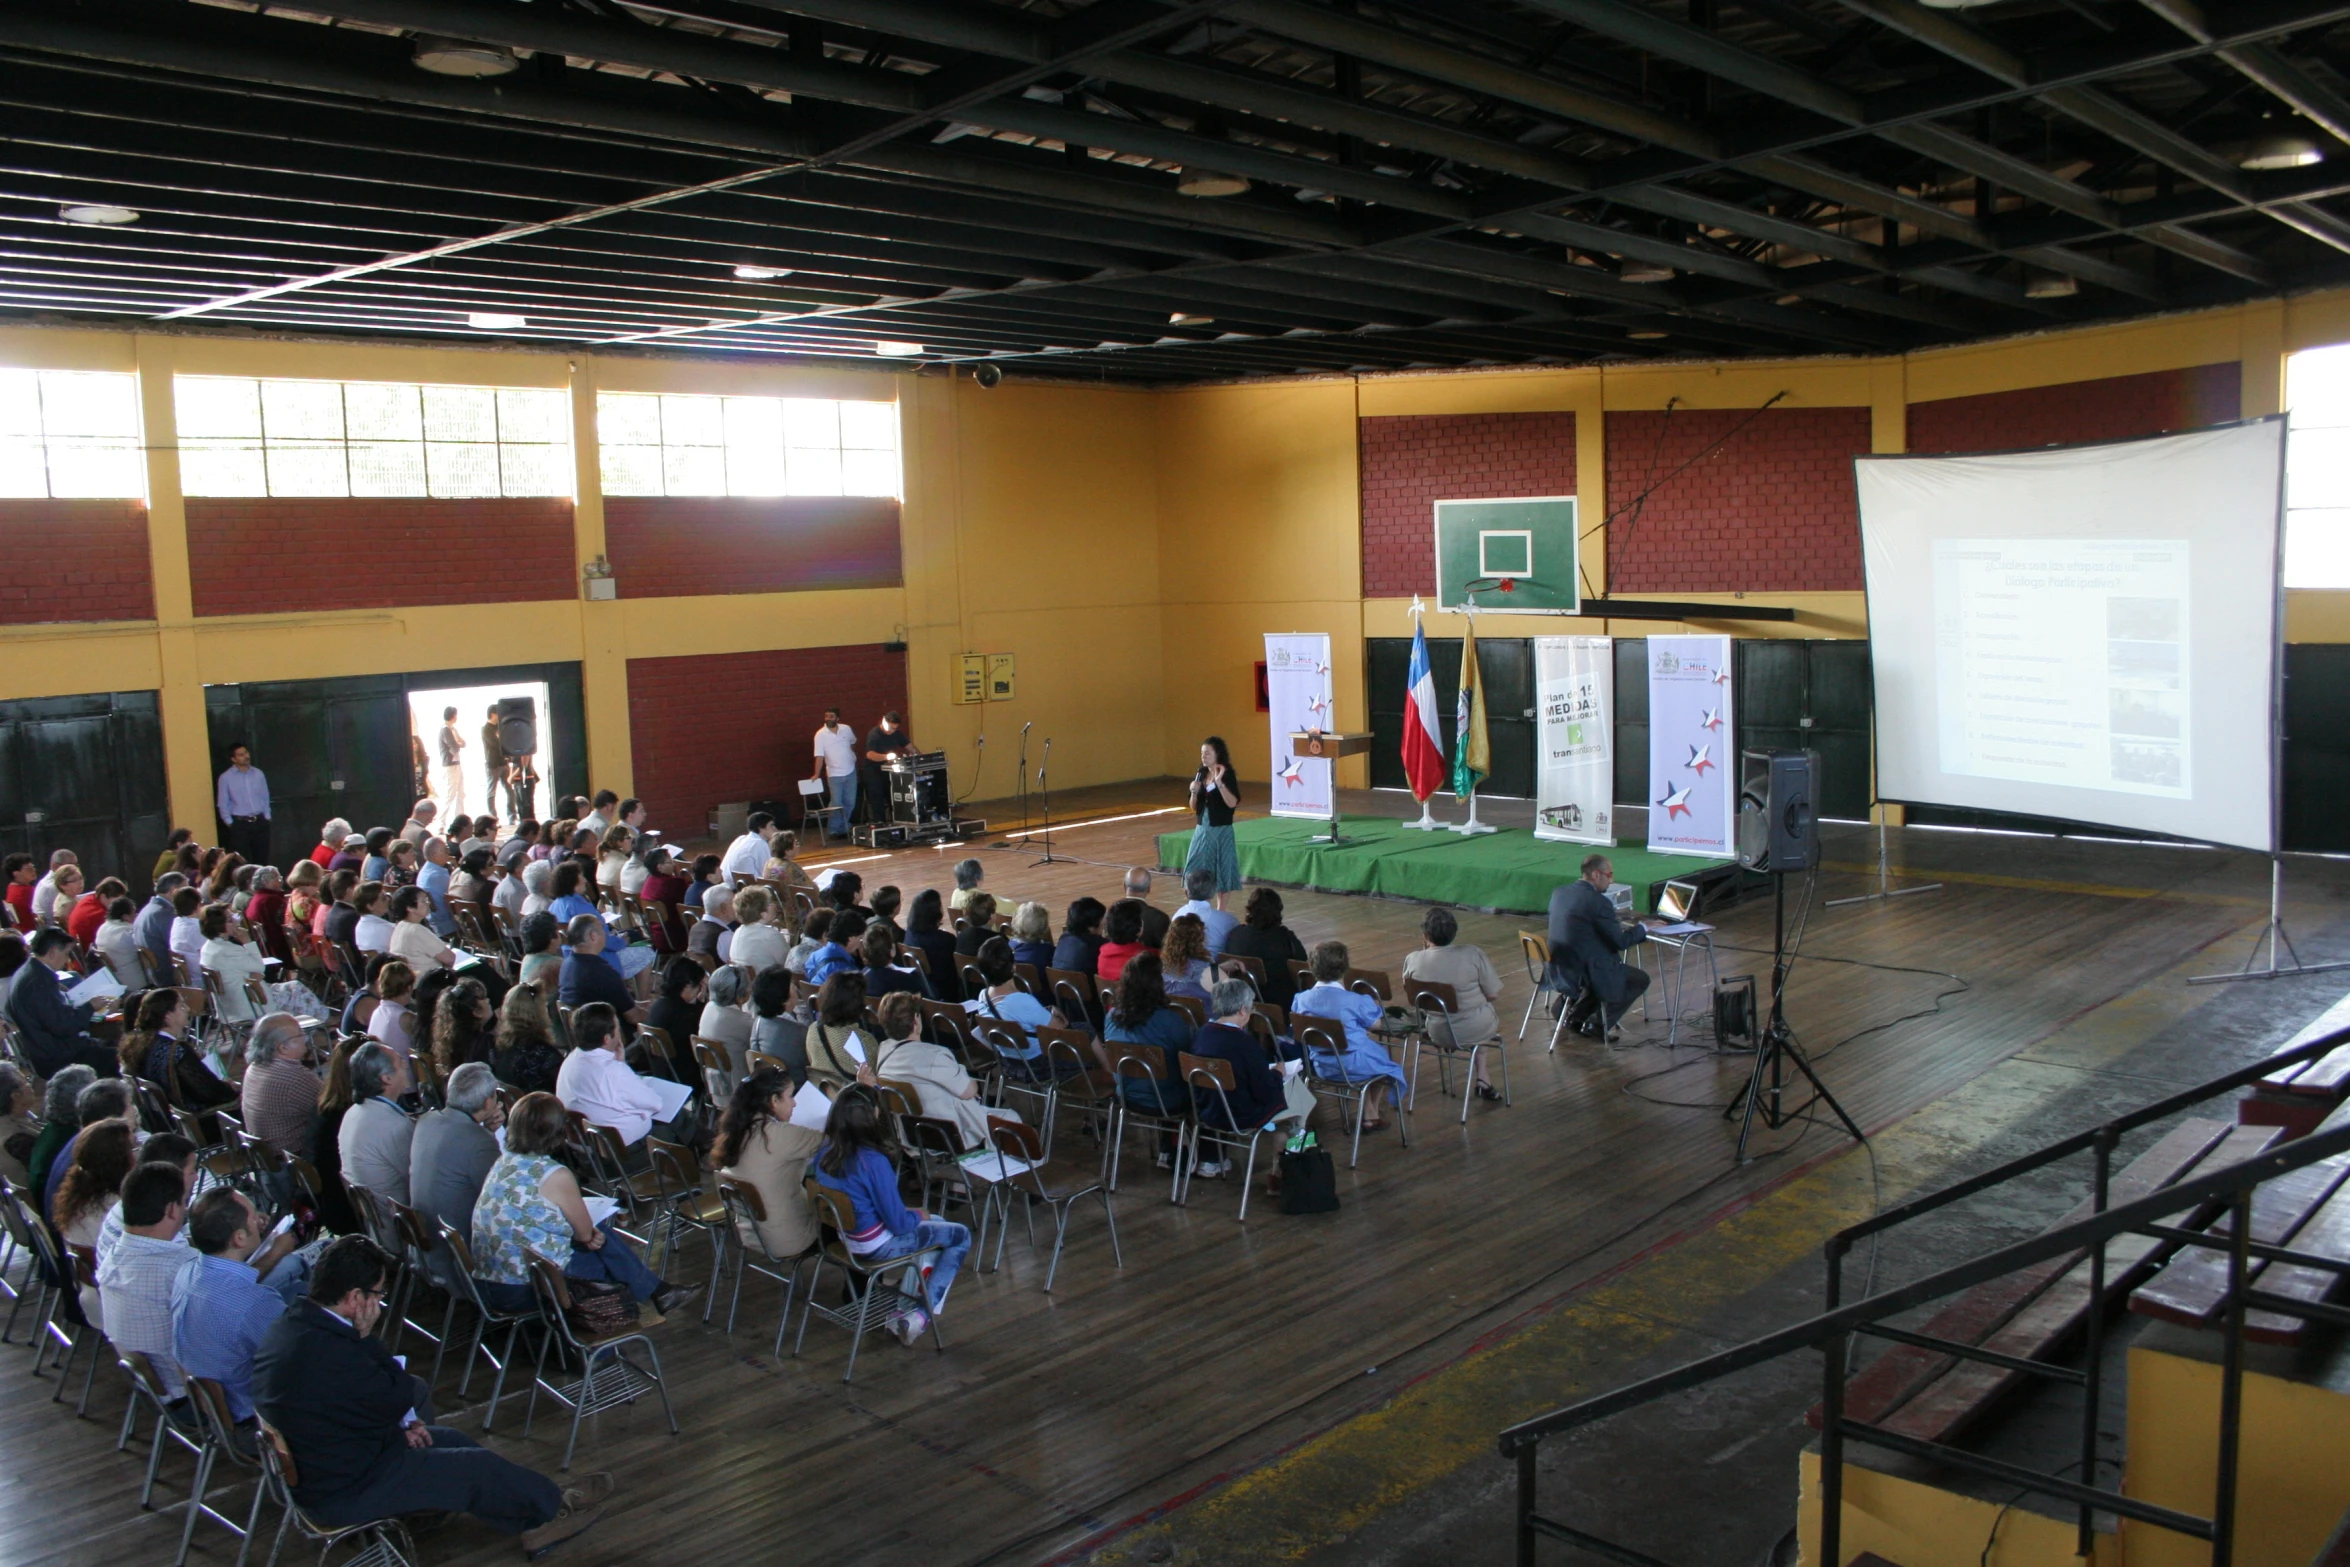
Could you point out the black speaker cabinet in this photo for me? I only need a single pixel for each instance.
(518, 725)
(1777, 825)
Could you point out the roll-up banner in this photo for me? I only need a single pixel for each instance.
(1298, 693)
(1692, 749)
(1575, 782)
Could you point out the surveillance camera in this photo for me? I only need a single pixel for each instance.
(989, 377)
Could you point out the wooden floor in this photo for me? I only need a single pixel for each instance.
(1049, 1419)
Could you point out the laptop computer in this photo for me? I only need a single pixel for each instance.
(1678, 901)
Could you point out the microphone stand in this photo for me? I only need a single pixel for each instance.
(1016, 840)
(1044, 785)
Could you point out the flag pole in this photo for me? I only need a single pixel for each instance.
(1471, 827)
(1427, 821)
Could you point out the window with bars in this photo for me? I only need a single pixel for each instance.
(674, 445)
(70, 433)
(371, 438)
(2317, 469)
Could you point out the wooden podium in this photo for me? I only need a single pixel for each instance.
(1330, 747)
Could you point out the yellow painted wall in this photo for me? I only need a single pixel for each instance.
(1130, 549)
(2294, 1483)
(1925, 1526)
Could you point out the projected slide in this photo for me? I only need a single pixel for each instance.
(2081, 633)
(2064, 661)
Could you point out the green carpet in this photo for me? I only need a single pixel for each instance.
(1511, 869)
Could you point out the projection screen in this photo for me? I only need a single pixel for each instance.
(2085, 632)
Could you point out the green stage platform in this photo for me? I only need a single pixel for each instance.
(1509, 870)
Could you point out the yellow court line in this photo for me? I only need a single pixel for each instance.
(2087, 889)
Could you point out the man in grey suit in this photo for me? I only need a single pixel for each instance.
(1587, 941)
(377, 1134)
(453, 1149)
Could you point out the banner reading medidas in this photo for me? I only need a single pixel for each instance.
(1692, 753)
(1574, 790)
(1298, 692)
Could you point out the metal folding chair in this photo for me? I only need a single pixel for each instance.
(868, 1283)
(742, 1204)
(607, 1377)
(1210, 1080)
(1321, 1036)
(486, 1318)
(1143, 1069)
(383, 1542)
(1061, 1194)
(210, 1403)
(1440, 1002)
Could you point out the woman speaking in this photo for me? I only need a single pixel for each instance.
(1215, 793)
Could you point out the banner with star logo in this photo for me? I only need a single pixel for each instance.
(1299, 694)
(1692, 752)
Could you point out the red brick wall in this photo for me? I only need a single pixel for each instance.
(1410, 462)
(737, 726)
(260, 555)
(663, 548)
(1769, 508)
(75, 560)
(2113, 409)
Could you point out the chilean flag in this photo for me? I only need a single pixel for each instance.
(1423, 746)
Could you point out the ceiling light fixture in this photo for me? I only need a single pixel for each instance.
(496, 321)
(462, 57)
(1207, 182)
(1646, 272)
(888, 349)
(98, 214)
(2280, 152)
(2052, 286)
(1644, 337)
(1186, 318)
(753, 274)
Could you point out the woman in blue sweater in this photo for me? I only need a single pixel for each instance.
(855, 1161)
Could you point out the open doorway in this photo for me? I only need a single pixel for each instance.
(473, 785)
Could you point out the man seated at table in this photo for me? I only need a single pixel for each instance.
(1587, 943)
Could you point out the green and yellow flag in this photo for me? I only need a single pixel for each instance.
(1471, 760)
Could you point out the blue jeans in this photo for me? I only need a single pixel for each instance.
(290, 1279)
(844, 800)
(454, 1475)
(955, 1238)
(614, 1262)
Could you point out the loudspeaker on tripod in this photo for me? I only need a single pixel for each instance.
(518, 725)
(1777, 829)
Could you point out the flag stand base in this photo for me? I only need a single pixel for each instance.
(1472, 827)
(1426, 823)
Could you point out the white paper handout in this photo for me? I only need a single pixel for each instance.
(989, 1165)
(673, 1096)
(100, 986)
(599, 1208)
(809, 1108)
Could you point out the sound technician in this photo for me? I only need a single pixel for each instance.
(1587, 943)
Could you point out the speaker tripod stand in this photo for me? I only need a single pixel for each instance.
(1777, 1051)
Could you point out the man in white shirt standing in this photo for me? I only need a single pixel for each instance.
(836, 764)
(746, 857)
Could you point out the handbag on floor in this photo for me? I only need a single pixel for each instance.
(1309, 1181)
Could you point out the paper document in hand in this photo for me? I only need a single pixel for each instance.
(672, 1095)
(989, 1165)
(1290, 1069)
(810, 1109)
(599, 1208)
(101, 986)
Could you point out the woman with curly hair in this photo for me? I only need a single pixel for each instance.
(463, 1025)
(526, 1054)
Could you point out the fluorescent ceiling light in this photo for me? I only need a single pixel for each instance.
(1645, 272)
(1644, 337)
(98, 214)
(1187, 318)
(461, 57)
(2280, 152)
(2052, 286)
(496, 321)
(752, 274)
(888, 349)
(1207, 182)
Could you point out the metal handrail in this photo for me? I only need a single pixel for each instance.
(2231, 1184)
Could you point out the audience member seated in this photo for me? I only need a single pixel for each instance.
(154, 923)
(843, 939)
(759, 940)
(541, 940)
(600, 1085)
(20, 1096)
(61, 1118)
(1032, 937)
(779, 1030)
(337, 920)
(350, 856)
(586, 976)
(1261, 1094)
(471, 882)
(677, 1013)
(968, 875)
(781, 865)
(527, 1055)
(883, 977)
(403, 863)
(1003, 1001)
(571, 904)
(746, 857)
(51, 1031)
(1363, 1057)
(16, 872)
(616, 859)
(1185, 957)
(376, 1136)
(326, 1140)
(667, 878)
(225, 1299)
(1200, 886)
(1471, 975)
(725, 1020)
(978, 924)
(1142, 1016)
(117, 945)
(187, 938)
(759, 1146)
(66, 893)
(417, 827)
(843, 891)
(14, 955)
(837, 1045)
(89, 910)
(45, 891)
(710, 938)
(1262, 936)
(1123, 927)
(413, 940)
(454, 1147)
(356, 1424)
(854, 1161)
(433, 879)
(538, 888)
(946, 1090)
(107, 1099)
(278, 1101)
(887, 903)
(394, 1019)
(701, 877)
(464, 1025)
(926, 934)
(1080, 947)
(230, 952)
(135, 1274)
(1154, 918)
(102, 1154)
(371, 932)
(532, 1202)
(156, 1048)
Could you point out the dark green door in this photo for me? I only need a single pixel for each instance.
(1796, 694)
(1506, 665)
(85, 773)
(2317, 747)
